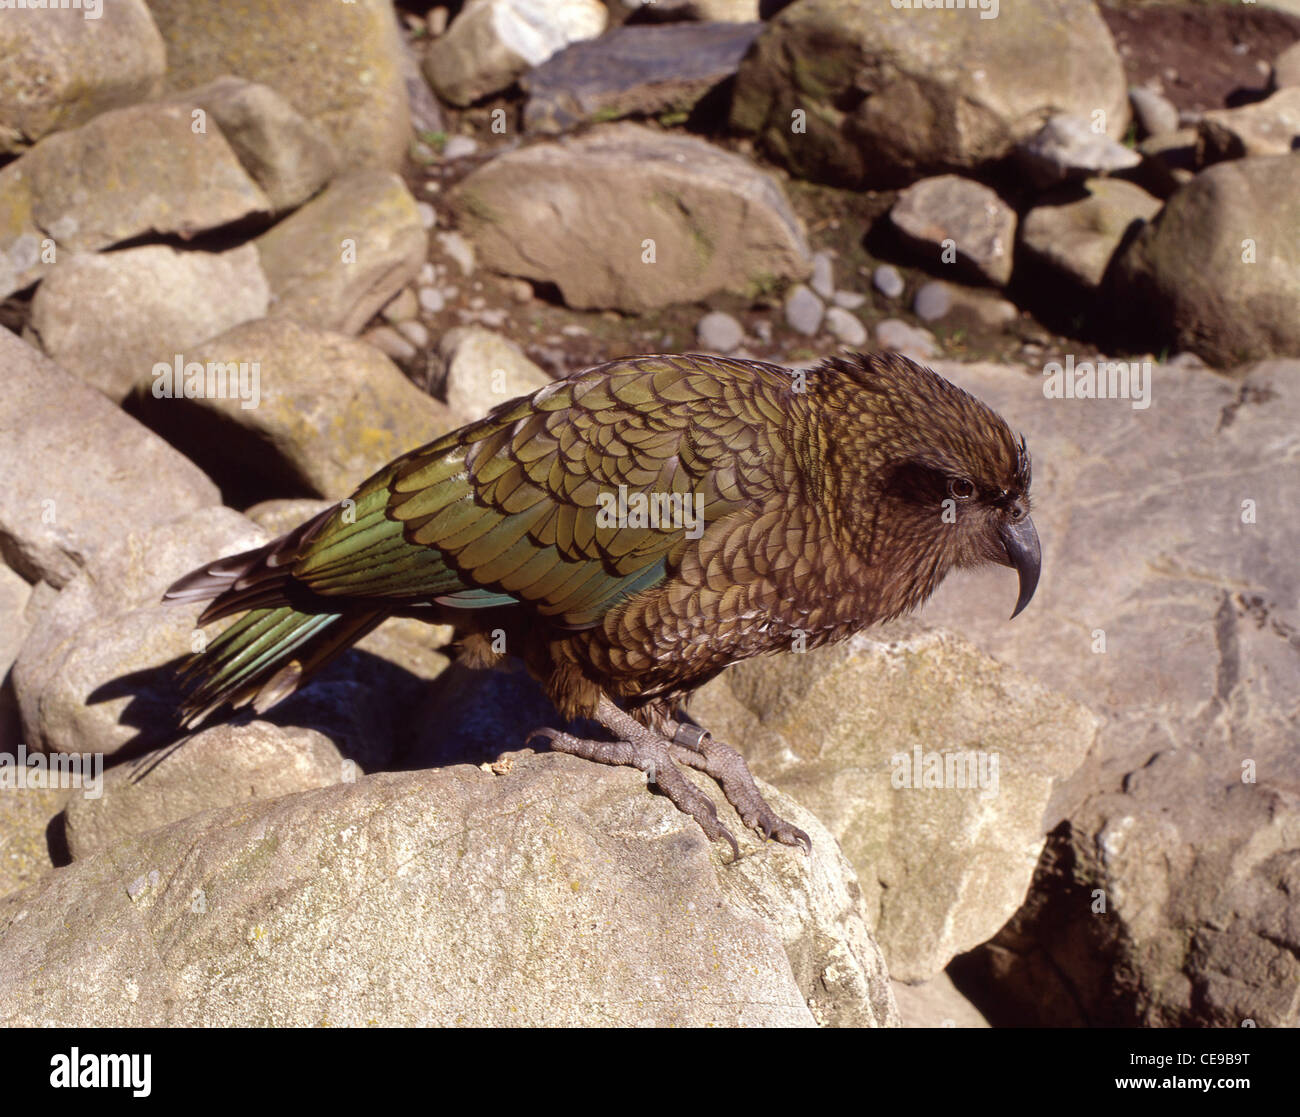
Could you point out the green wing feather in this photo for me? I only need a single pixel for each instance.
(507, 509)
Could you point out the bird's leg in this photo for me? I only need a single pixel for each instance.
(696, 746)
(639, 747)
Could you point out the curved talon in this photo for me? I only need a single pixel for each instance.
(544, 732)
(735, 848)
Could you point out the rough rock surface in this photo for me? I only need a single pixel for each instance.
(492, 42)
(1218, 269)
(1268, 127)
(484, 369)
(1168, 604)
(289, 156)
(330, 410)
(1077, 232)
(59, 69)
(949, 209)
(67, 455)
(1068, 148)
(659, 218)
(558, 892)
(885, 97)
(74, 673)
(841, 729)
(641, 70)
(129, 172)
(336, 261)
(337, 64)
(220, 766)
(109, 318)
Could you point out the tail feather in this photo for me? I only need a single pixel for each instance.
(280, 641)
(265, 656)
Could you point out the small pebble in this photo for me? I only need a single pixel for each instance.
(803, 310)
(719, 332)
(389, 342)
(849, 300)
(520, 290)
(932, 301)
(427, 274)
(847, 327)
(1157, 114)
(823, 280)
(458, 147)
(416, 332)
(431, 300)
(428, 215)
(888, 281)
(437, 21)
(460, 250)
(901, 337)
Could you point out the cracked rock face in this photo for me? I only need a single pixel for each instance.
(1168, 605)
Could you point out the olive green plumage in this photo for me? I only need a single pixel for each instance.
(821, 494)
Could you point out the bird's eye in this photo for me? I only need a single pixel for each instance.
(961, 488)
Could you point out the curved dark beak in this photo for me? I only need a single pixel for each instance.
(1023, 552)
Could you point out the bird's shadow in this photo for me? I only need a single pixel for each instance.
(377, 713)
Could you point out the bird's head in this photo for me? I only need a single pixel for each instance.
(934, 478)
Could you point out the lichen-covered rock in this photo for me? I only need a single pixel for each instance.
(322, 413)
(337, 64)
(130, 172)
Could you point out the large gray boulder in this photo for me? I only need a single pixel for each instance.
(859, 94)
(130, 172)
(550, 891)
(336, 261)
(1168, 605)
(1217, 271)
(109, 318)
(631, 218)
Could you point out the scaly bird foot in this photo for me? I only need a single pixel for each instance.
(651, 754)
(696, 747)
